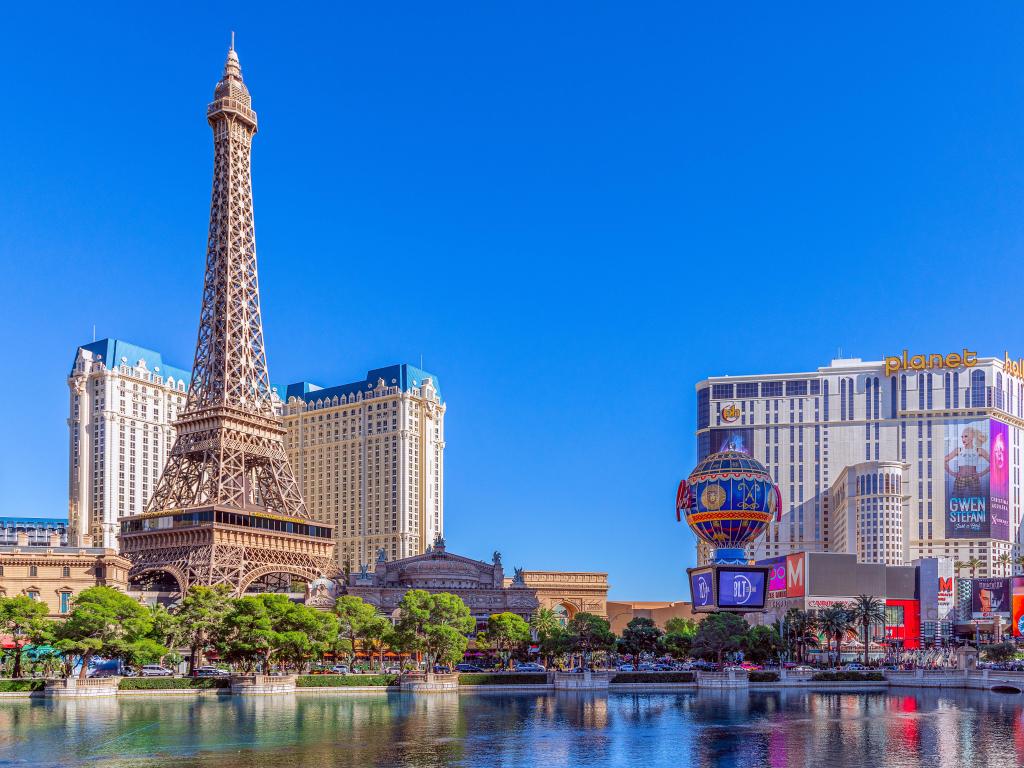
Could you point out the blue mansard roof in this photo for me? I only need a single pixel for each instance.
(111, 351)
(404, 376)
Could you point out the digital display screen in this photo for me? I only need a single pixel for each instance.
(701, 589)
(741, 589)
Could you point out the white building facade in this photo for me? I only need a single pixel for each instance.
(912, 456)
(123, 402)
(369, 457)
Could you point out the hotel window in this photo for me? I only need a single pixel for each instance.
(796, 388)
(65, 602)
(65, 571)
(771, 389)
(977, 389)
(722, 391)
(33, 570)
(748, 389)
(32, 595)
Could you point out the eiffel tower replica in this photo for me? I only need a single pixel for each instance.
(227, 509)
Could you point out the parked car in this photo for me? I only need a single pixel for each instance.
(530, 666)
(625, 668)
(663, 668)
(749, 666)
(339, 669)
(155, 670)
(211, 671)
(645, 666)
(855, 667)
(395, 670)
(468, 668)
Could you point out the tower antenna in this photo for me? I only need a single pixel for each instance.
(232, 39)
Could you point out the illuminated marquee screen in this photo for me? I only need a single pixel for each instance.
(702, 589)
(741, 588)
(977, 470)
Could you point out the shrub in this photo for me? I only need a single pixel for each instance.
(760, 676)
(16, 686)
(170, 683)
(847, 677)
(342, 681)
(654, 677)
(514, 678)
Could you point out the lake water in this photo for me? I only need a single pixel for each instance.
(790, 729)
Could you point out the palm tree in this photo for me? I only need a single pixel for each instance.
(974, 564)
(1004, 560)
(800, 628)
(835, 622)
(958, 566)
(867, 611)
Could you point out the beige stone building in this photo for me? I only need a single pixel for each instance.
(55, 573)
(621, 612)
(369, 458)
(482, 586)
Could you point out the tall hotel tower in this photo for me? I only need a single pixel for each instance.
(370, 461)
(123, 402)
(911, 456)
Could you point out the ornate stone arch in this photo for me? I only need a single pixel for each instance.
(266, 570)
(173, 571)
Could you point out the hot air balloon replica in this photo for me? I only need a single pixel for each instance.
(728, 501)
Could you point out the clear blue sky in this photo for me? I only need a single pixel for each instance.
(573, 211)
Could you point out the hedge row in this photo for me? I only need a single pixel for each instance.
(654, 677)
(341, 681)
(170, 683)
(847, 677)
(17, 686)
(513, 678)
(757, 676)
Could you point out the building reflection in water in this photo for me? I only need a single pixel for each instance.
(780, 729)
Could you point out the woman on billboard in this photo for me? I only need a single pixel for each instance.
(968, 463)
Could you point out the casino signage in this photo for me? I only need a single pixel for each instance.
(908, 362)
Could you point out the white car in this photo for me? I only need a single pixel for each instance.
(155, 670)
(339, 669)
(530, 666)
(625, 667)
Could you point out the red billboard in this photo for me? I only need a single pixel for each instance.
(796, 580)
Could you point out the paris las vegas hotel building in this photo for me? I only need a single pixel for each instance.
(892, 460)
(368, 456)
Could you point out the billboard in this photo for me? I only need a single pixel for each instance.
(1017, 605)
(977, 479)
(796, 585)
(701, 589)
(776, 575)
(741, 588)
(990, 597)
(741, 440)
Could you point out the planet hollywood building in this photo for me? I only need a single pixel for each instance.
(908, 457)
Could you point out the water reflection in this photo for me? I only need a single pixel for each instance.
(783, 729)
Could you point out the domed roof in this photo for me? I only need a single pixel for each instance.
(729, 461)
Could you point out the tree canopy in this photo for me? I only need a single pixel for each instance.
(718, 634)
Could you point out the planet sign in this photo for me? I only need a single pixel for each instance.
(728, 500)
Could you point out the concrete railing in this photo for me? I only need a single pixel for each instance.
(428, 682)
(262, 684)
(73, 687)
(728, 678)
(587, 680)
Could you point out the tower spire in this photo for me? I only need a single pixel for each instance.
(227, 490)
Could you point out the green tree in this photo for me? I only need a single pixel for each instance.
(299, 633)
(640, 636)
(199, 615)
(245, 636)
(105, 622)
(505, 633)
(681, 626)
(549, 632)
(24, 619)
(1000, 652)
(422, 616)
(835, 622)
(762, 643)
(676, 644)
(589, 633)
(718, 634)
(377, 635)
(973, 564)
(868, 611)
(799, 631)
(354, 616)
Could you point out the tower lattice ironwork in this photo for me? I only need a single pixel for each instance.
(227, 508)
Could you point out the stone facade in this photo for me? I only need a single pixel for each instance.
(483, 586)
(55, 574)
